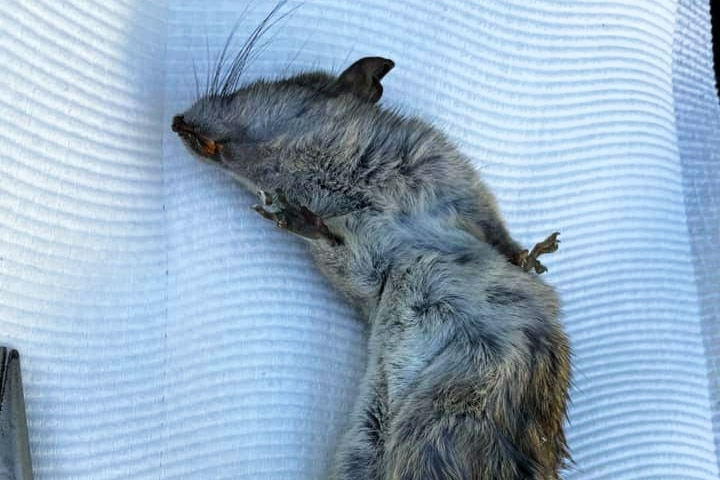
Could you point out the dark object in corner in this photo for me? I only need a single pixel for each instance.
(714, 13)
(14, 444)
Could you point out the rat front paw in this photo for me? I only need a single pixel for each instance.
(298, 220)
(273, 207)
(529, 260)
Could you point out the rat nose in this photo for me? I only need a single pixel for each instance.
(179, 125)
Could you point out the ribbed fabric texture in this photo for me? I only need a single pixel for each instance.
(83, 255)
(168, 332)
(698, 130)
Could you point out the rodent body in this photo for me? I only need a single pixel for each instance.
(469, 367)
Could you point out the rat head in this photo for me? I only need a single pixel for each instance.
(238, 128)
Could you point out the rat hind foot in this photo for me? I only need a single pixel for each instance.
(298, 220)
(529, 260)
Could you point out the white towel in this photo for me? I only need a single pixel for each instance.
(166, 331)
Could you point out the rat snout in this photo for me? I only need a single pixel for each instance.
(202, 145)
(180, 126)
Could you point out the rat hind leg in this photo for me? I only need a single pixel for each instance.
(529, 260)
(482, 219)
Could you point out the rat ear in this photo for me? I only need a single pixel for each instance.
(362, 78)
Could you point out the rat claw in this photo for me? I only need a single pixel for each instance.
(264, 197)
(540, 268)
(550, 244)
(264, 213)
(529, 260)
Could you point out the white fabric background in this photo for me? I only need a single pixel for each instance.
(168, 332)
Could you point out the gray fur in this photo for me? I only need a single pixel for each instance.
(469, 367)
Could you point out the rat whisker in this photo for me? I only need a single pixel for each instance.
(237, 66)
(257, 53)
(221, 60)
(246, 53)
(216, 79)
(197, 82)
(259, 50)
(297, 54)
(208, 67)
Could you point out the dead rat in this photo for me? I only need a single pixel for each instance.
(469, 367)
